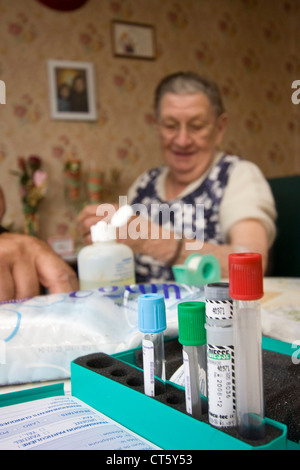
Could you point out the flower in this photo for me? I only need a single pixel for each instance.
(39, 177)
(32, 182)
(34, 162)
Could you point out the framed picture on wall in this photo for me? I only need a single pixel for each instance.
(133, 40)
(72, 90)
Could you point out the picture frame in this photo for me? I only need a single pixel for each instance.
(72, 90)
(133, 40)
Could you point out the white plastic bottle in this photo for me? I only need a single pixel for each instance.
(105, 262)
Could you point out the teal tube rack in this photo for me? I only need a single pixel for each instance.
(115, 388)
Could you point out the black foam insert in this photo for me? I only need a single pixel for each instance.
(281, 384)
(132, 377)
(281, 391)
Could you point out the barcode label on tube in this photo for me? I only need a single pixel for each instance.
(148, 365)
(188, 396)
(219, 310)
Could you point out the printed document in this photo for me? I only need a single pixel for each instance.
(64, 423)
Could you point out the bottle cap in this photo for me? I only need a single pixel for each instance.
(191, 323)
(245, 276)
(217, 291)
(102, 232)
(218, 304)
(122, 215)
(151, 313)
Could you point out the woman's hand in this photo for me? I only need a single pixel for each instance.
(92, 214)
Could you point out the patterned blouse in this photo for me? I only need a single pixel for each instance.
(194, 215)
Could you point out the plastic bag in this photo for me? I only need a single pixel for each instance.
(39, 337)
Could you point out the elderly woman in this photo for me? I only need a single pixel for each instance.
(239, 210)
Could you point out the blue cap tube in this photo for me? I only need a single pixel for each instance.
(151, 313)
(152, 322)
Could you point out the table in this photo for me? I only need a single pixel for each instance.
(280, 320)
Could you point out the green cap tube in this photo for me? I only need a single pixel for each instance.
(191, 323)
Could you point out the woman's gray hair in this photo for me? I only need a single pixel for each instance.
(189, 83)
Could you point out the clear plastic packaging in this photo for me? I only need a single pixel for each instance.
(40, 337)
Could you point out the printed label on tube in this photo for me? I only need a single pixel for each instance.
(221, 389)
(187, 382)
(219, 309)
(148, 364)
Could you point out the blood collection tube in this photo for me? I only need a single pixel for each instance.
(152, 322)
(192, 336)
(246, 288)
(220, 355)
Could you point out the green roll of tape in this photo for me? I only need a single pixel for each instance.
(198, 270)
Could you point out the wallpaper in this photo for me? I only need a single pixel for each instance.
(249, 47)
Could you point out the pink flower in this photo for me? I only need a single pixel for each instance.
(15, 29)
(150, 118)
(122, 153)
(27, 98)
(119, 80)
(65, 139)
(57, 151)
(20, 111)
(85, 38)
(172, 17)
(62, 229)
(39, 177)
(115, 7)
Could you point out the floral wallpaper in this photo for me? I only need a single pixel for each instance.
(250, 47)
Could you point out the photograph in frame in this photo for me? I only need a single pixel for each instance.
(72, 90)
(133, 40)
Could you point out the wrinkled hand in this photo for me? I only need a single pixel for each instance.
(26, 263)
(87, 217)
(2, 205)
(142, 236)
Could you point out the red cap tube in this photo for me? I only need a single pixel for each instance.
(245, 276)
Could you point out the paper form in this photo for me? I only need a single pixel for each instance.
(63, 423)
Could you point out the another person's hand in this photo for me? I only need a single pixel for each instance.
(2, 205)
(26, 263)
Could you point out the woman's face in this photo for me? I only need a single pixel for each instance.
(190, 133)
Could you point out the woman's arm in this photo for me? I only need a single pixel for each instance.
(246, 235)
(145, 237)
